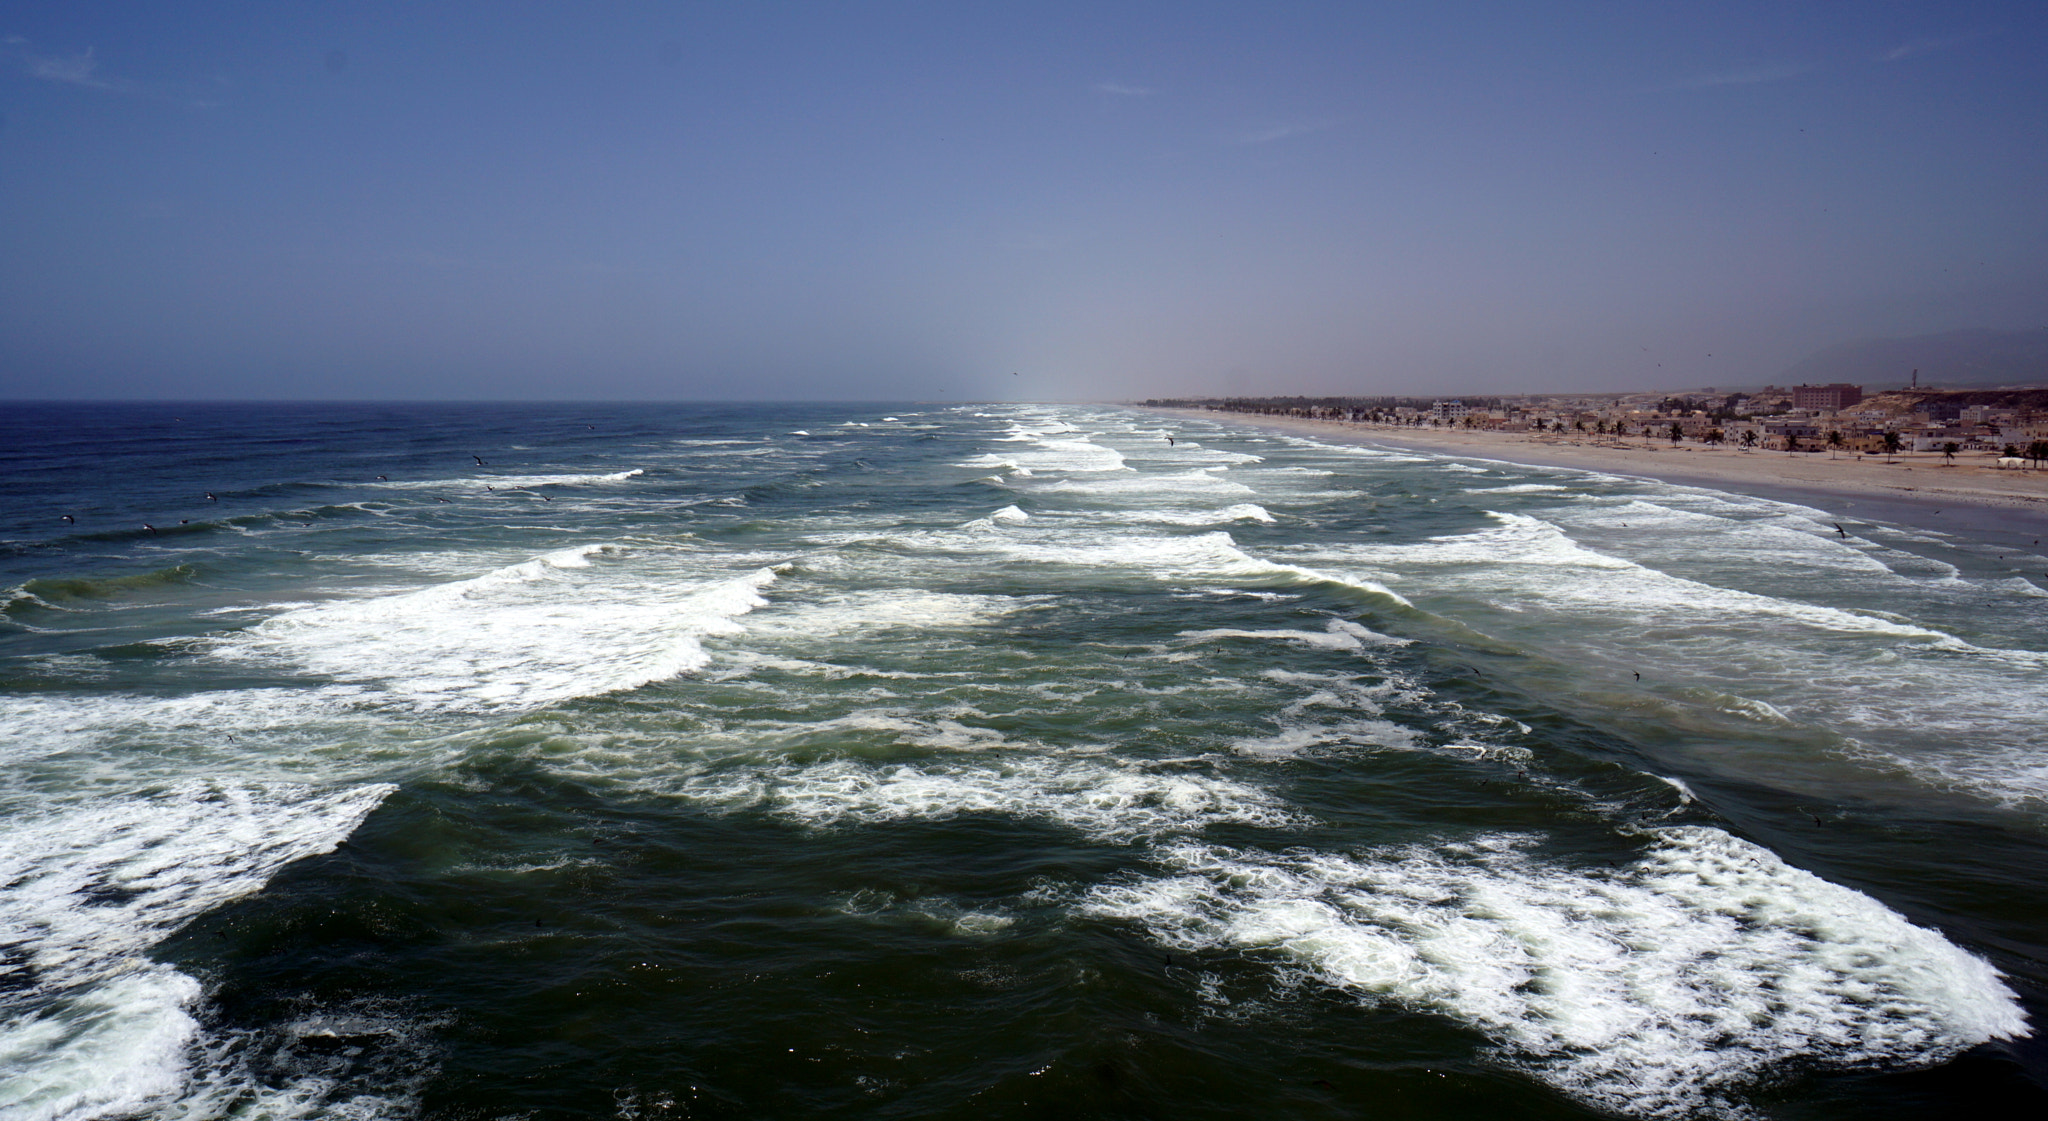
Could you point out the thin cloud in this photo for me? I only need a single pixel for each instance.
(1923, 46)
(1122, 90)
(1747, 76)
(81, 69)
(1279, 132)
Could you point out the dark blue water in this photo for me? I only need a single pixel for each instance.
(739, 761)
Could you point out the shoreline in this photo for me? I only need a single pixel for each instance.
(1997, 507)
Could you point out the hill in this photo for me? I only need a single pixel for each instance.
(1976, 357)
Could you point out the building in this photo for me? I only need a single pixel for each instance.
(1839, 395)
(1452, 411)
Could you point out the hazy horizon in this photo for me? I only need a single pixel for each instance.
(922, 202)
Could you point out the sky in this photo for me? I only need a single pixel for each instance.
(978, 201)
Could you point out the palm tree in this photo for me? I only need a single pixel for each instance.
(2037, 451)
(1677, 433)
(1748, 438)
(1892, 443)
(1834, 442)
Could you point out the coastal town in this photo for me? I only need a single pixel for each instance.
(2005, 428)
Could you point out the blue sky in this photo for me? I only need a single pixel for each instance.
(895, 201)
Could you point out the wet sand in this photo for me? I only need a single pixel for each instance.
(1969, 496)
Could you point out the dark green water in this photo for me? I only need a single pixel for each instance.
(989, 762)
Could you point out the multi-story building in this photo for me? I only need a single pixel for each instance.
(1839, 395)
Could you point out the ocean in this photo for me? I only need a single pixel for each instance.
(724, 761)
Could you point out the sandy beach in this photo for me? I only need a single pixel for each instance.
(1970, 495)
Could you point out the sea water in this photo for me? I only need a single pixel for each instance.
(989, 761)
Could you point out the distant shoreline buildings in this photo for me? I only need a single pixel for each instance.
(1835, 417)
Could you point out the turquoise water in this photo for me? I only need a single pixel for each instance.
(603, 761)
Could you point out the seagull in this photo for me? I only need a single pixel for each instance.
(386, 478)
(1638, 674)
(150, 528)
(1840, 530)
(72, 520)
(210, 497)
(479, 459)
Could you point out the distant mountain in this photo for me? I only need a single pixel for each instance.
(1952, 359)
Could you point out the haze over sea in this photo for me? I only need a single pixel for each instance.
(989, 761)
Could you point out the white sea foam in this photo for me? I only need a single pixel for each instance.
(1202, 482)
(927, 911)
(1006, 514)
(1568, 575)
(1518, 488)
(537, 632)
(1041, 455)
(1337, 634)
(1661, 990)
(1920, 698)
(503, 481)
(1092, 796)
(1295, 738)
(1237, 512)
(1189, 449)
(159, 736)
(864, 612)
(1684, 792)
(96, 1028)
(1206, 556)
